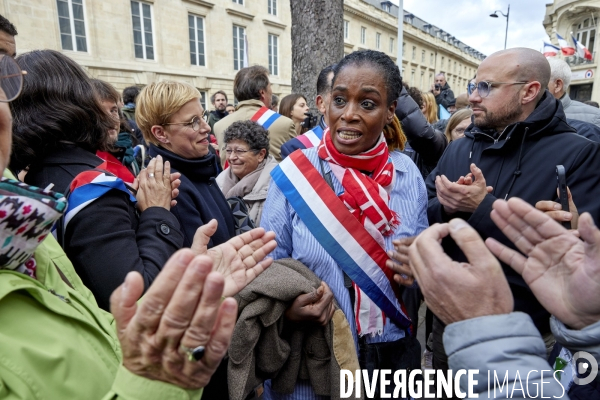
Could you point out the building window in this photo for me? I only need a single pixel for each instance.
(392, 49)
(196, 28)
(454, 66)
(72, 25)
(272, 7)
(403, 48)
(273, 55)
(442, 64)
(346, 29)
(203, 98)
(239, 46)
(586, 34)
(239, 1)
(412, 77)
(363, 35)
(423, 56)
(378, 41)
(431, 59)
(141, 14)
(414, 53)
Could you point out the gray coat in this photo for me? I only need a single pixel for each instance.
(511, 342)
(578, 110)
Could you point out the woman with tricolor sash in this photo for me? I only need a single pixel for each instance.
(338, 206)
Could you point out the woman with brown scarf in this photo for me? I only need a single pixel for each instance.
(250, 165)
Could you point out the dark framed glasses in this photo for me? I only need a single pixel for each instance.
(484, 87)
(11, 79)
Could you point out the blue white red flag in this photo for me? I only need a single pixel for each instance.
(564, 46)
(550, 50)
(87, 187)
(341, 234)
(265, 117)
(582, 51)
(311, 138)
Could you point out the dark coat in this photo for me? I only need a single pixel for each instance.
(108, 239)
(425, 144)
(446, 96)
(200, 198)
(521, 164)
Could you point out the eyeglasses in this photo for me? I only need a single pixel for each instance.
(484, 87)
(194, 123)
(11, 79)
(239, 152)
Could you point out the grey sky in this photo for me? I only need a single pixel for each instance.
(469, 21)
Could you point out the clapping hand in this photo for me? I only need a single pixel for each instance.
(562, 271)
(181, 310)
(240, 259)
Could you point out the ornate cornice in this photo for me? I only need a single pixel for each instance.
(274, 24)
(204, 3)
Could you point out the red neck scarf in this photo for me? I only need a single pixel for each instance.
(365, 196)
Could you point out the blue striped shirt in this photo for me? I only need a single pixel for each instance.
(408, 198)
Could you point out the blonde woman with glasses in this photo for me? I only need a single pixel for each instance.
(169, 115)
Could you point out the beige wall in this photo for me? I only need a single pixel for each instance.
(111, 56)
(563, 16)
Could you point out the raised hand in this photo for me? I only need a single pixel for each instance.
(240, 259)
(458, 291)
(182, 309)
(562, 271)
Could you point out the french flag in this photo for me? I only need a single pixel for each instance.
(550, 50)
(582, 51)
(564, 46)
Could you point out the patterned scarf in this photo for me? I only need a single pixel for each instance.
(367, 198)
(27, 214)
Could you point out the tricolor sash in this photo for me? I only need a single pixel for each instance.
(311, 138)
(89, 186)
(265, 117)
(339, 232)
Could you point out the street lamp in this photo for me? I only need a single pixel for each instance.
(494, 15)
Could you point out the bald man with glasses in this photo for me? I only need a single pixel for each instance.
(517, 138)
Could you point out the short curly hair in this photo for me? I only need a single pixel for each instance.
(250, 132)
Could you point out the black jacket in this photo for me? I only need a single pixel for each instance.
(108, 239)
(200, 198)
(425, 144)
(446, 96)
(521, 164)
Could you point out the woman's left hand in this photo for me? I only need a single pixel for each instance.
(240, 259)
(399, 261)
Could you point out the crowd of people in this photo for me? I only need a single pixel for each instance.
(153, 249)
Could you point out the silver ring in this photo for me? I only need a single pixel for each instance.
(151, 175)
(194, 354)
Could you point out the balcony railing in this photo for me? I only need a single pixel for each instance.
(576, 60)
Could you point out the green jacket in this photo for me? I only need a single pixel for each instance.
(56, 343)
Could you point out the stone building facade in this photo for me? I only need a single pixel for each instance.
(578, 18)
(205, 42)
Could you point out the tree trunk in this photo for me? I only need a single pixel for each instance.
(317, 41)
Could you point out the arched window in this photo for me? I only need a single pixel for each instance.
(586, 33)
